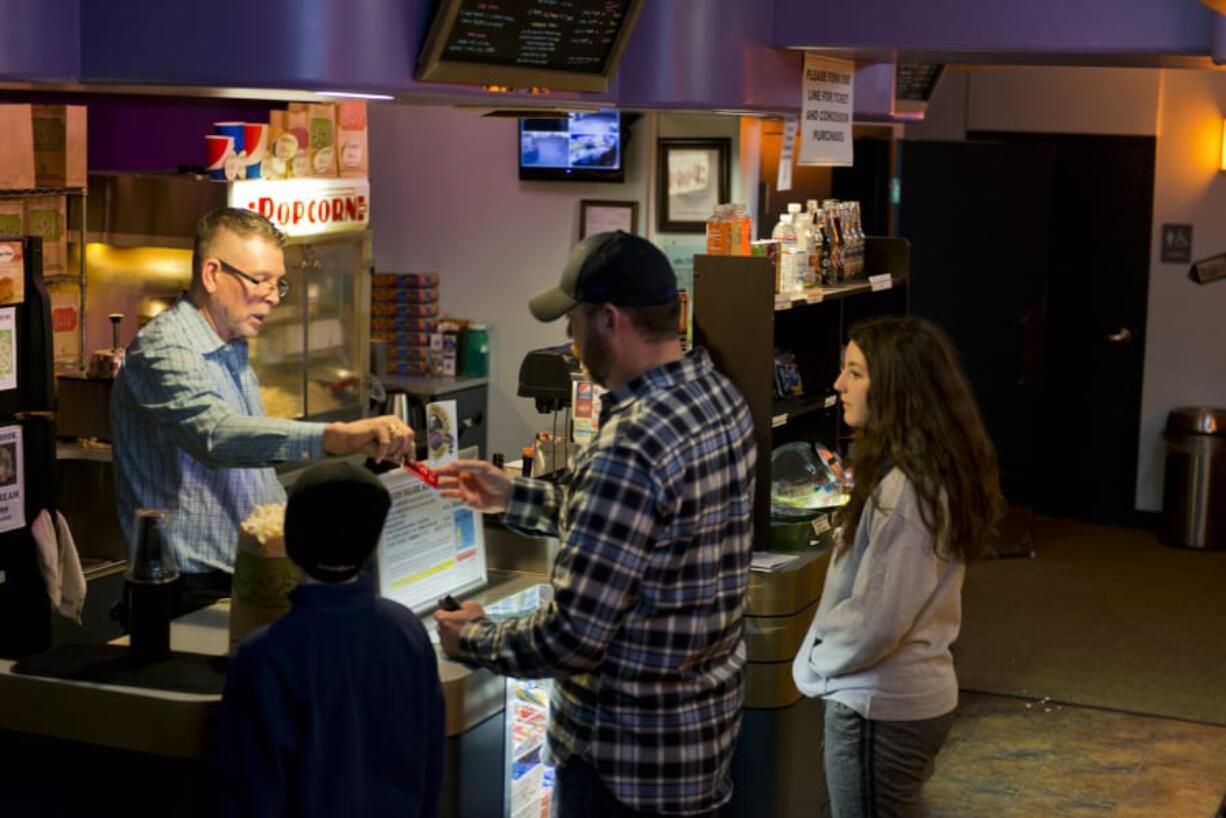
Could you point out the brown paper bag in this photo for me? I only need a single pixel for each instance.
(65, 323)
(59, 145)
(12, 218)
(351, 139)
(17, 155)
(282, 147)
(321, 150)
(47, 216)
(297, 123)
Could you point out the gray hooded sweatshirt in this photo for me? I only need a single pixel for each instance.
(889, 610)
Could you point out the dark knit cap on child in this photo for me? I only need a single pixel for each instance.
(333, 519)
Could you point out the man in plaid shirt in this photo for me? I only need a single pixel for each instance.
(644, 631)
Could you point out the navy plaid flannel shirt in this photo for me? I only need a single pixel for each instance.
(645, 628)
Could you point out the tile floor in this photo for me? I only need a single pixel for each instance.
(1017, 758)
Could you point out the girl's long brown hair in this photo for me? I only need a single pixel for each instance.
(922, 419)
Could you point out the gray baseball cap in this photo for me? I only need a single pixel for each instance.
(609, 268)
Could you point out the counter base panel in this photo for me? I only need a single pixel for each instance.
(778, 766)
(54, 778)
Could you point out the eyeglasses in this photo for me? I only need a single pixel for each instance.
(261, 287)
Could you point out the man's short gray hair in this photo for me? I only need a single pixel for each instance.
(242, 223)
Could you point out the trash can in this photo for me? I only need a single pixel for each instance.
(1194, 494)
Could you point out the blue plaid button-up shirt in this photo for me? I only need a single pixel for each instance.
(645, 628)
(190, 436)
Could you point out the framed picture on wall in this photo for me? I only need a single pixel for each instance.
(600, 216)
(692, 178)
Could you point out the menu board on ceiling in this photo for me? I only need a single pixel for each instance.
(914, 84)
(559, 44)
(916, 81)
(575, 36)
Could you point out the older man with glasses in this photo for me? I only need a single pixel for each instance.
(190, 434)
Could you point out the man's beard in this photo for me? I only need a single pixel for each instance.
(597, 357)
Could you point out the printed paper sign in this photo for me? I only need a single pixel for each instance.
(882, 281)
(442, 432)
(12, 273)
(826, 111)
(12, 480)
(787, 154)
(430, 546)
(585, 400)
(8, 349)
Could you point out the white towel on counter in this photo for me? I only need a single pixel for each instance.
(60, 565)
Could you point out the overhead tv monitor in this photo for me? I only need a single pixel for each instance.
(578, 147)
(571, 46)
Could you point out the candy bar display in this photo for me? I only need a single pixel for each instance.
(403, 307)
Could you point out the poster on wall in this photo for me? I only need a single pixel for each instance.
(681, 252)
(12, 480)
(585, 401)
(826, 111)
(787, 154)
(8, 348)
(12, 273)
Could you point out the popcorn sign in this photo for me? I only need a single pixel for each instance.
(307, 207)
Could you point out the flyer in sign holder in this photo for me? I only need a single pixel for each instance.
(12, 480)
(431, 546)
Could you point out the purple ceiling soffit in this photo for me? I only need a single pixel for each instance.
(40, 41)
(874, 91)
(302, 45)
(1022, 27)
(707, 54)
(296, 44)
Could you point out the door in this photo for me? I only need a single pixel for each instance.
(1061, 224)
(1097, 294)
(977, 218)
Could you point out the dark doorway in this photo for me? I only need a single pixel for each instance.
(1061, 225)
(862, 182)
(976, 216)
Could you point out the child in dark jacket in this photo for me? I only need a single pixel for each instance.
(335, 708)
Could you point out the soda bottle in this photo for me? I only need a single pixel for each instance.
(813, 261)
(715, 234)
(834, 238)
(788, 278)
(741, 214)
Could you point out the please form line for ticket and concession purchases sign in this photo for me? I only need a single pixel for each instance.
(826, 111)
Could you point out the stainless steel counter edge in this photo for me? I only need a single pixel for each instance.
(147, 721)
(179, 725)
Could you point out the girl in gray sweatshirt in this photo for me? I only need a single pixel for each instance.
(926, 497)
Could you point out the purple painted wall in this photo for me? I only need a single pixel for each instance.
(1156, 27)
(148, 133)
(40, 40)
(157, 133)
